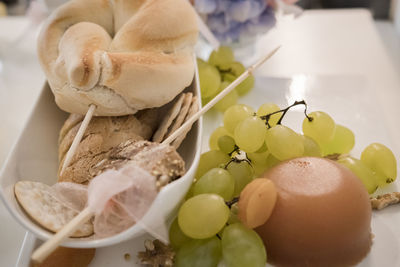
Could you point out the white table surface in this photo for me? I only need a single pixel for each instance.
(335, 42)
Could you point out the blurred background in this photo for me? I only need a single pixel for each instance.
(386, 14)
(338, 40)
(380, 9)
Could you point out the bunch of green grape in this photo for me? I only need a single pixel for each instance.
(261, 137)
(207, 229)
(266, 142)
(216, 74)
(377, 165)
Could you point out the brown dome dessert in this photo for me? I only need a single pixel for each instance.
(322, 216)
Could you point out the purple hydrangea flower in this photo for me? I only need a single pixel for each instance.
(218, 23)
(239, 10)
(222, 5)
(243, 10)
(232, 20)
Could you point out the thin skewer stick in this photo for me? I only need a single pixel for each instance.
(207, 34)
(78, 137)
(221, 95)
(50, 245)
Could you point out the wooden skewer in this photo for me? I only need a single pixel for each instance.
(50, 245)
(207, 34)
(78, 138)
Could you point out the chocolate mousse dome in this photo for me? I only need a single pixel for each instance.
(322, 216)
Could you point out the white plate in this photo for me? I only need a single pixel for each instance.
(348, 101)
(34, 158)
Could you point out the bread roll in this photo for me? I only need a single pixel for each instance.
(121, 55)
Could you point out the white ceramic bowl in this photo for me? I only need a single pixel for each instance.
(34, 157)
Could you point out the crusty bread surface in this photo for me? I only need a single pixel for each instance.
(101, 136)
(121, 55)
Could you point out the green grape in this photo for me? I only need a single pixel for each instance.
(258, 157)
(210, 80)
(232, 71)
(201, 62)
(176, 237)
(284, 143)
(218, 181)
(259, 169)
(234, 68)
(235, 114)
(213, 141)
(222, 56)
(272, 161)
(199, 253)
(204, 101)
(250, 134)
(263, 148)
(189, 194)
(381, 160)
(243, 174)
(245, 86)
(233, 215)
(203, 216)
(211, 159)
(311, 148)
(242, 247)
(269, 108)
(226, 144)
(259, 162)
(342, 142)
(228, 77)
(228, 101)
(365, 174)
(321, 128)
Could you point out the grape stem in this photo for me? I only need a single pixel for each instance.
(334, 156)
(234, 150)
(237, 161)
(284, 111)
(231, 202)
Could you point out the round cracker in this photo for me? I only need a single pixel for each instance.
(41, 203)
(168, 119)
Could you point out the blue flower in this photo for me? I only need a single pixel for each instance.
(232, 20)
(218, 23)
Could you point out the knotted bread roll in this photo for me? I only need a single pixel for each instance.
(121, 55)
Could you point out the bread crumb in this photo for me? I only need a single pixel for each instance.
(382, 201)
(127, 256)
(157, 254)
